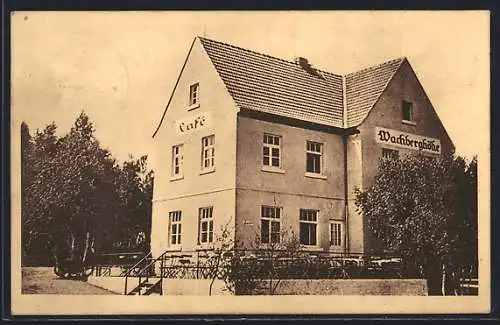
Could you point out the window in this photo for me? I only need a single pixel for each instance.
(194, 94)
(175, 227)
(390, 153)
(335, 233)
(177, 156)
(206, 225)
(407, 111)
(314, 153)
(208, 152)
(271, 153)
(308, 227)
(270, 225)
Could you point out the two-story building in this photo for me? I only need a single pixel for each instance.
(260, 145)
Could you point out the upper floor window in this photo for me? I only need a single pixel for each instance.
(271, 151)
(194, 94)
(208, 153)
(175, 227)
(177, 158)
(314, 155)
(205, 225)
(270, 227)
(336, 233)
(390, 153)
(407, 108)
(308, 227)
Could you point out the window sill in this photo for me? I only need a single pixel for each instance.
(193, 106)
(272, 170)
(173, 249)
(313, 175)
(267, 246)
(205, 247)
(409, 122)
(207, 171)
(176, 178)
(311, 248)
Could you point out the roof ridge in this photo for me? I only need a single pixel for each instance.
(263, 54)
(372, 67)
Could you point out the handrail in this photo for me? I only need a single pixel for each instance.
(125, 253)
(145, 268)
(136, 264)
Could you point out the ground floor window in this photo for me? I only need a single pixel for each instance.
(308, 227)
(336, 233)
(270, 227)
(206, 225)
(175, 227)
(390, 153)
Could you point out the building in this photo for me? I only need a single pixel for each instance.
(263, 145)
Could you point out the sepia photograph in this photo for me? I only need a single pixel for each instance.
(265, 162)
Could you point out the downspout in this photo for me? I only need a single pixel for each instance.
(346, 198)
(346, 187)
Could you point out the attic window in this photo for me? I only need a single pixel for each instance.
(194, 94)
(407, 110)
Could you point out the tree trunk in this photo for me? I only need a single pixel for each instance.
(214, 276)
(443, 280)
(451, 282)
(87, 246)
(72, 251)
(433, 274)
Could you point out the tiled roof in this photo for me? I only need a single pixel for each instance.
(363, 88)
(263, 83)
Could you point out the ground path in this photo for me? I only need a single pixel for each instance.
(43, 280)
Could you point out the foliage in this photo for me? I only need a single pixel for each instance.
(246, 269)
(77, 199)
(426, 210)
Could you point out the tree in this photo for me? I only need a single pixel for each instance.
(278, 260)
(36, 152)
(76, 191)
(135, 190)
(75, 194)
(27, 173)
(422, 208)
(245, 269)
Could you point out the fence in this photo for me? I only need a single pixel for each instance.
(115, 264)
(257, 265)
(263, 264)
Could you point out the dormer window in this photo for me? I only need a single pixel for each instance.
(407, 110)
(194, 95)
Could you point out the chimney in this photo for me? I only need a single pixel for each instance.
(303, 63)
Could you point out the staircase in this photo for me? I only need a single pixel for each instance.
(147, 288)
(144, 271)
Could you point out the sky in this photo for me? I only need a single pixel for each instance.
(121, 67)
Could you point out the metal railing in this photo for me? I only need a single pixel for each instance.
(205, 264)
(146, 271)
(118, 263)
(265, 264)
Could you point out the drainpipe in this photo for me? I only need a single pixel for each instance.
(346, 198)
(346, 191)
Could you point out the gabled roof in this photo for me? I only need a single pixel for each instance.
(271, 85)
(264, 83)
(267, 84)
(364, 87)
